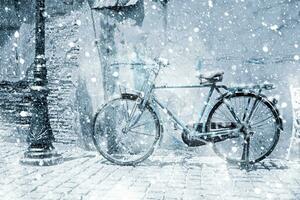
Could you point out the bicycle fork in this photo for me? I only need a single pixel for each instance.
(141, 105)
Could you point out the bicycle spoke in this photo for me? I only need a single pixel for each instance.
(256, 123)
(125, 111)
(259, 143)
(113, 142)
(246, 110)
(133, 111)
(222, 119)
(140, 133)
(127, 108)
(112, 148)
(136, 126)
(231, 109)
(138, 118)
(239, 114)
(226, 115)
(261, 136)
(262, 112)
(125, 147)
(261, 126)
(253, 150)
(254, 107)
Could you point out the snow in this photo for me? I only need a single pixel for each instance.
(265, 49)
(78, 22)
(284, 105)
(210, 3)
(274, 27)
(71, 44)
(196, 29)
(17, 34)
(107, 3)
(22, 61)
(87, 54)
(25, 114)
(115, 74)
(257, 190)
(94, 79)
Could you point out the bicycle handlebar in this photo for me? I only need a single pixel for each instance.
(162, 62)
(268, 86)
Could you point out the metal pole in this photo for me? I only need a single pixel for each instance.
(40, 150)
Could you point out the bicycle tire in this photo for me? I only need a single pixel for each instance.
(276, 120)
(147, 153)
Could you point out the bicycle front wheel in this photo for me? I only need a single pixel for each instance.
(258, 123)
(123, 133)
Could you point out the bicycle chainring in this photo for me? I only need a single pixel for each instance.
(190, 142)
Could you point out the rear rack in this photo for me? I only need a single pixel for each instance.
(265, 86)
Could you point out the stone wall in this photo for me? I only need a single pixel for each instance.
(62, 54)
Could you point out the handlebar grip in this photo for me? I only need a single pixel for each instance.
(269, 86)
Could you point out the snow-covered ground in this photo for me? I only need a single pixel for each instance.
(181, 175)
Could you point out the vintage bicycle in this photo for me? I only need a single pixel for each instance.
(243, 126)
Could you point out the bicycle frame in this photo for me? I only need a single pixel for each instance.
(214, 129)
(172, 115)
(180, 123)
(148, 96)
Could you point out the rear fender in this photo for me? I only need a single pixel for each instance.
(262, 96)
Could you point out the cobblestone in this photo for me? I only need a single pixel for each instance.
(164, 176)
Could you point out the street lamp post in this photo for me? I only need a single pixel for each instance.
(40, 150)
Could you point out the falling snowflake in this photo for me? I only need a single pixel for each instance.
(115, 74)
(22, 61)
(17, 34)
(196, 29)
(265, 49)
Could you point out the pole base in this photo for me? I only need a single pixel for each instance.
(41, 157)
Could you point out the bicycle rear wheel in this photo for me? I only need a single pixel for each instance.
(122, 138)
(259, 127)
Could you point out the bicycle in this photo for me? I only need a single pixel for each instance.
(243, 126)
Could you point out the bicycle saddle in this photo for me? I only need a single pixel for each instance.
(216, 77)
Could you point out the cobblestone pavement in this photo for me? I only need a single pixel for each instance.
(166, 175)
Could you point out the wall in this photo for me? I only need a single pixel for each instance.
(66, 111)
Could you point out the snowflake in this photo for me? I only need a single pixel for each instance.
(17, 34)
(196, 29)
(265, 49)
